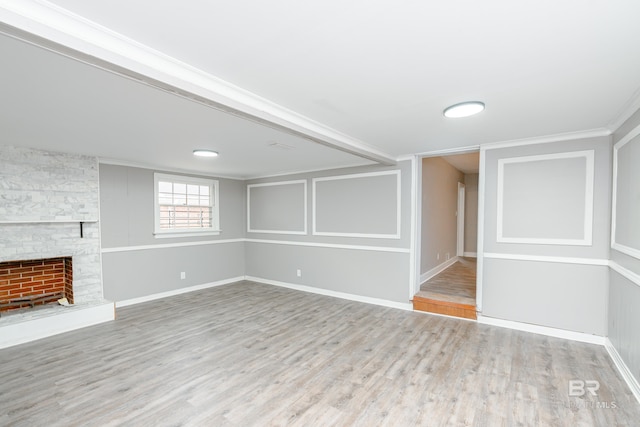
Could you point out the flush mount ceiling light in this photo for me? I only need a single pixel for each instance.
(205, 153)
(464, 109)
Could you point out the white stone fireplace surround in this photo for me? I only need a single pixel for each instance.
(44, 197)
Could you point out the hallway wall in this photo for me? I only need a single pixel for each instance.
(439, 205)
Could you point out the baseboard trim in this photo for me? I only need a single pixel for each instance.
(336, 294)
(437, 269)
(624, 370)
(542, 330)
(58, 323)
(470, 254)
(174, 292)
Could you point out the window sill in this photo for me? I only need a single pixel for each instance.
(171, 234)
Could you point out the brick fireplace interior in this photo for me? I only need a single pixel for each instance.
(27, 283)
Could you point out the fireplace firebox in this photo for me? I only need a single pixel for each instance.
(28, 283)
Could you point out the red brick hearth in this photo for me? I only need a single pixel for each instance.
(35, 282)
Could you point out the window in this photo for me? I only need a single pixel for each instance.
(185, 206)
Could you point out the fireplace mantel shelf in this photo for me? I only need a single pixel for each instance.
(50, 221)
(82, 222)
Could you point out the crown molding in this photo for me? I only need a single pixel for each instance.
(49, 26)
(560, 137)
(627, 111)
(156, 168)
(449, 151)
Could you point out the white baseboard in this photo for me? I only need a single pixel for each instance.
(542, 330)
(624, 370)
(343, 295)
(60, 322)
(438, 269)
(160, 295)
(470, 254)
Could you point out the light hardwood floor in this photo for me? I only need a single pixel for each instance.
(451, 292)
(251, 354)
(455, 284)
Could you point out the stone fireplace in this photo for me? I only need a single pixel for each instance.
(49, 221)
(28, 283)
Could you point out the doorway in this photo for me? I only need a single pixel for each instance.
(448, 237)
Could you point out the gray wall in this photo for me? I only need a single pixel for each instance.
(439, 205)
(363, 204)
(624, 293)
(374, 267)
(136, 264)
(277, 207)
(471, 212)
(554, 294)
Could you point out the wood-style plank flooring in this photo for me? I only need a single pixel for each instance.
(455, 284)
(250, 354)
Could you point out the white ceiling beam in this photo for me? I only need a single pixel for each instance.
(57, 29)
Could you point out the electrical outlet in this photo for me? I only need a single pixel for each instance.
(183, 275)
(448, 255)
(299, 273)
(438, 256)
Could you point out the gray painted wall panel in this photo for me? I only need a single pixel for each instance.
(382, 275)
(140, 273)
(127, 216)
(544, 199)
(628, 195)
(601, 199)
(564, 296)
(126, 205)
(405, 201)
(357, 204)
(624, 320)
(624, 295)
(278, 207)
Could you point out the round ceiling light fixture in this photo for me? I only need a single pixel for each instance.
(464, 109)
(205, 153)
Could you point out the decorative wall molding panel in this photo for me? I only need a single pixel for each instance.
(345, 205)
(546, 199)
(277, 207)
(625, 230)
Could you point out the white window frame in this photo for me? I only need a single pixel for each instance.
(182, 179)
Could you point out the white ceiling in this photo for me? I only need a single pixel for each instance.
(368, 77)
(465, 163)
(52, 102)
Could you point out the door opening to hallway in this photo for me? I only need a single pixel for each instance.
(448, 238)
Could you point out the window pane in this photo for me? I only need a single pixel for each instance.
(184, 205)
(165, 187)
